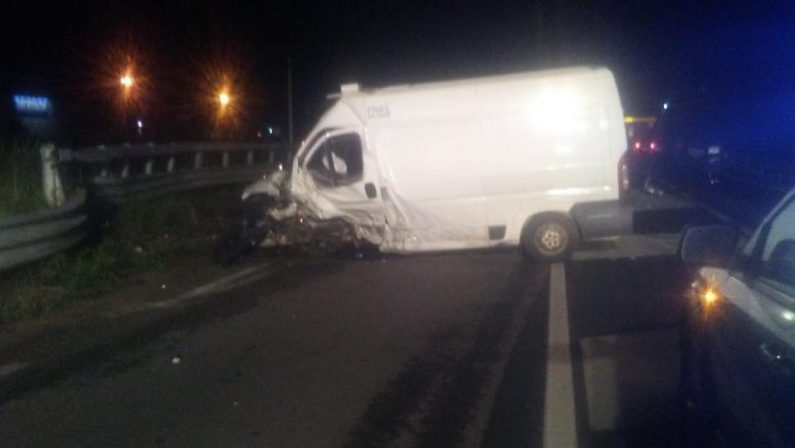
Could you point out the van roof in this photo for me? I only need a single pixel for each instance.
(348, 92)
(396, 104)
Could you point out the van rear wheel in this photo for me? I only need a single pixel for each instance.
(549, 237)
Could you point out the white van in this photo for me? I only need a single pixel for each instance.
(471, 163)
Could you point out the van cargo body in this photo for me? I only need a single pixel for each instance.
(464, 164)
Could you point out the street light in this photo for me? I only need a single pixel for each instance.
(224, 99)
(127, 81)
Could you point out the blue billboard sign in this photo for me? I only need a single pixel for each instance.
(29, 104)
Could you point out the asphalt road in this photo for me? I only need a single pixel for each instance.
(432, 350)
(321, 353)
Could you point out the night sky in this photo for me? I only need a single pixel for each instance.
(658, 50)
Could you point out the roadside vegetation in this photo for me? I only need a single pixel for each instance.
(138, 237)
(20, 178)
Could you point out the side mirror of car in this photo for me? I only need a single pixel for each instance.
(712, 245)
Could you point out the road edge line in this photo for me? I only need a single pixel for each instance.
(226, 283)
(560, 426)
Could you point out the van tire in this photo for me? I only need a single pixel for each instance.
(549, 237)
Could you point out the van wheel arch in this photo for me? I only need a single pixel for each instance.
(549, 236)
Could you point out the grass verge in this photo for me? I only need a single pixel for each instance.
(20, 178)
(139, 237)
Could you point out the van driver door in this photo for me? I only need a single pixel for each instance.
(347, 184)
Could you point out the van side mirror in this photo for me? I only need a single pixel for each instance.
(712, 245)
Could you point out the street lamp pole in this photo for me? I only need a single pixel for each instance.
(290, 100)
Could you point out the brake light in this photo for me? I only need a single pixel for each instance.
(653, 147)
(637, 146)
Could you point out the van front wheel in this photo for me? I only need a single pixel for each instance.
(549, 237)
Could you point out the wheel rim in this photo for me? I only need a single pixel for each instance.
(551, 239)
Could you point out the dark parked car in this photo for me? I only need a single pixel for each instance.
(738, 370)
(643, 149)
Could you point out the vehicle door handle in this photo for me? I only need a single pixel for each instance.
(775, 358)
(370, 191)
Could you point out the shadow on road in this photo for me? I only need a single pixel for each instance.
(625, 317)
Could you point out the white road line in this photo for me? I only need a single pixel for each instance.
(8, 369)
(231, 281)
(560, 428)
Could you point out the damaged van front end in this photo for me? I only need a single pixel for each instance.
(325, 201)
(273, 217)
(328, 198)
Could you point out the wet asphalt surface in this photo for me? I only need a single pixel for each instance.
(431, 350)
(321, 353)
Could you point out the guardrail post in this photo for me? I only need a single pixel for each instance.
(50, 179)
(249, 157)
(197, 160)
(125, 169)
(148, 167)
(225, 159)
(271, 156)
(104, 171)
(170, 165)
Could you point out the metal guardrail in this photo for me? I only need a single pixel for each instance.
(33, 236)
(117, 171)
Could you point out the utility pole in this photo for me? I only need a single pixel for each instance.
(290, 100)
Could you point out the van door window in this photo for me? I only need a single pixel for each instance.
(338, 161)
(314, 139)
(318, 168)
